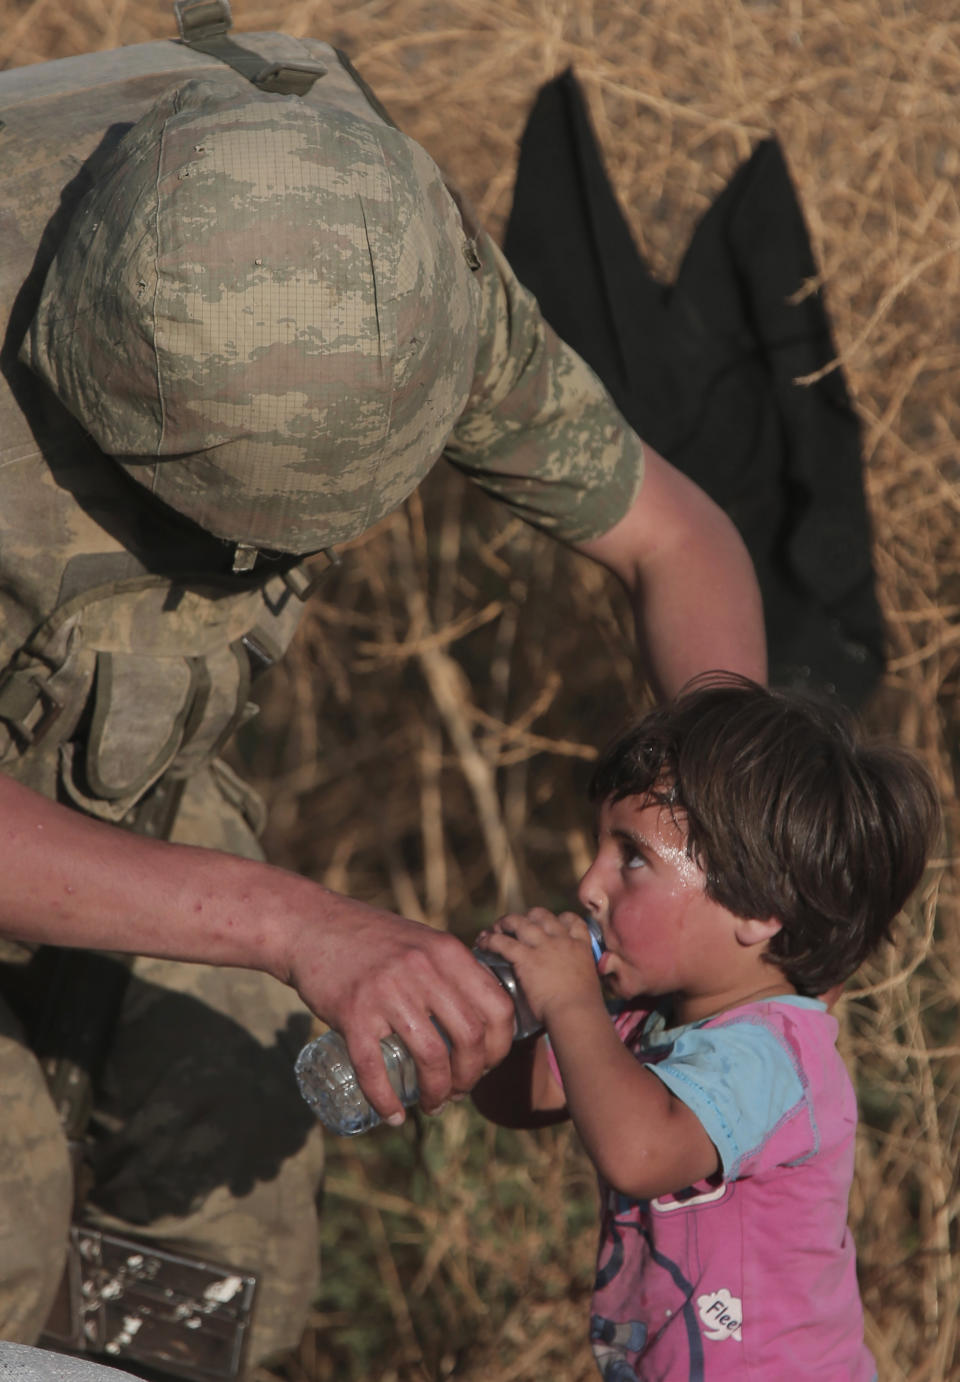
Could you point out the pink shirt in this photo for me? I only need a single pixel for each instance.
(751, 1275)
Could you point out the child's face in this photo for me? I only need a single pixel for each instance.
(663, 934)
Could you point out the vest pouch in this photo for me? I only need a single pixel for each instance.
(240, 796)
(222, 708)
(126, 683)
(140, 710)
(42, 699)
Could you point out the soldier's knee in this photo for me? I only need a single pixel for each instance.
(29, 1278)
(36, 1194)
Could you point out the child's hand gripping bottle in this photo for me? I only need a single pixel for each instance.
(329, 1084)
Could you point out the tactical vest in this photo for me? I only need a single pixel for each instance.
(126, 638)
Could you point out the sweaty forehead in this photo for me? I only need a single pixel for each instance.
(643, 817)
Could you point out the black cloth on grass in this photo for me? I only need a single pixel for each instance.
(704, 370)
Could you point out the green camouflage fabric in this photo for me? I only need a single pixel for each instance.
(270, 314)
(36, 1189)
(156, 671)
(539, 431)
(264, 312)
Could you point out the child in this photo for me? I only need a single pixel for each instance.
(750, 854)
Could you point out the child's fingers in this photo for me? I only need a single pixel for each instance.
(576, 926)
(505, 944)
(569, 925)
(507, 924)
(540, 915)
(538, 924)
(573, 921)
(517, 924)
(533, 928)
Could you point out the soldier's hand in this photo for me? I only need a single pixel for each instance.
(368, 973)
(74, 881)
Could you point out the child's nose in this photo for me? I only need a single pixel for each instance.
(591, 893)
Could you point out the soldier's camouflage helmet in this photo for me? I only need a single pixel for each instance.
(264, 310)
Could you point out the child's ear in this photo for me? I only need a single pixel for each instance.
(753, 931)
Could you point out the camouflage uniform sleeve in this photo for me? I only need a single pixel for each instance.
(540, 432)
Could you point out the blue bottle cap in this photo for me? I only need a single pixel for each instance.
(596, 939)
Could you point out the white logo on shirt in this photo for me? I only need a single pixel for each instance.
(689, 1198)
(722, 1314)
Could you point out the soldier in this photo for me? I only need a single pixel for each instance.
(246, 316)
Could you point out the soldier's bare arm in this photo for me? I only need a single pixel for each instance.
(68, 880)
(542, 435)
(691, 580)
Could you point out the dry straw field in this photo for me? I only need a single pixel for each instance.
(427, 743)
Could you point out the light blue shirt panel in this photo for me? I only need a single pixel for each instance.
(738, 1079)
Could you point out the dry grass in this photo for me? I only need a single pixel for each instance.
(427, 743)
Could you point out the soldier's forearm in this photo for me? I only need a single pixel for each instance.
(68, 880)
(71, 881)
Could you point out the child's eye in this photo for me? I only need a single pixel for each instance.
(632, 860)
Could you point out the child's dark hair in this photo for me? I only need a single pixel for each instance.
(787, 813)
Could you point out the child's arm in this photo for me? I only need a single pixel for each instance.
(643, 1140)
(522, 1091)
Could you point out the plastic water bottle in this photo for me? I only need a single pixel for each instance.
(329, 1083)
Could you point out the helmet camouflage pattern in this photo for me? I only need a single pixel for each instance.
(264, 311)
